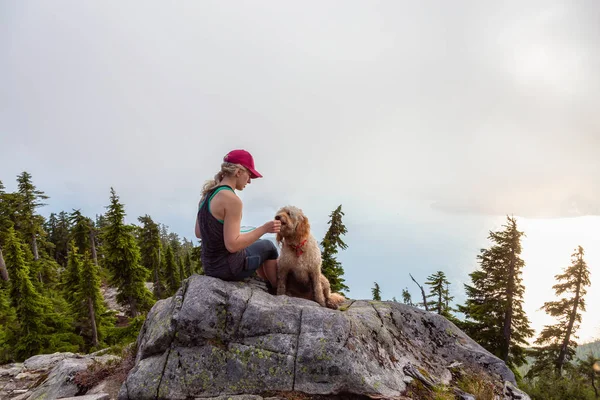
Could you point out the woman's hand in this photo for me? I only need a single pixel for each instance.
(272, 226)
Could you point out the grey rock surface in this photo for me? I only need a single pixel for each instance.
(97, 396)
(217, 338)
(46, 361)
(46, 376)
(60, 380)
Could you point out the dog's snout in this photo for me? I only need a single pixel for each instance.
(278, 218)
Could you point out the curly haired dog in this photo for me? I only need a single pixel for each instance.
(299, 273)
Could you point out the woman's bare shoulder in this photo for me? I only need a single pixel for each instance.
(227, 198)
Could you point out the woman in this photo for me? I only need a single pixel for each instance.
(227, 253)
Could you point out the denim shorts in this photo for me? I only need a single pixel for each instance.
(256, 254)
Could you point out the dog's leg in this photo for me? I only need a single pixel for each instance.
(327, 292)
(317, 288)
(282, 277)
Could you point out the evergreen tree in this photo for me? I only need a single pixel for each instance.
(3, 270)
(30, 224)
(95, 321)
(29, 305)
(494, 307)
(175, 245)
(58, 228)
(440, 293)
(556, 345)
(8, 320)
(4, 224)
(9, 206)
(50, 227)
(331, 267)
(182, 274)
(72, 274)
(122, 258)
(164, 235)
(376, 292)
(150, 248)
(82, 232)
(171, 272)
(406, 297)
(196, 256)
(188, 265)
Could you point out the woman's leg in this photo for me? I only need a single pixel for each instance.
(268, 270)
(261, 256)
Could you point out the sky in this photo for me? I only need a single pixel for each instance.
(428, 122)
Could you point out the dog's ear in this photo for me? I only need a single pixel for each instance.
(303, 228)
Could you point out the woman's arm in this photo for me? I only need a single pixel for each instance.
(234, 240)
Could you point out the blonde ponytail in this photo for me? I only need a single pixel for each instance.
(226, 169)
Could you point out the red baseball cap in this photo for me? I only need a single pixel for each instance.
(243, 158)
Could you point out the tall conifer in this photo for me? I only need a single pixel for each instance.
(494, 306)
(94, 318)
(82, 232)
(72, 274)
(376, 291)
(122, 258)
(555, 343)
(29, 305)
(439, 293)
(30, 223)
(331, 267)
(150, 248)
(171, 272)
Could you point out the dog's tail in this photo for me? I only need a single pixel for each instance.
(334, 300)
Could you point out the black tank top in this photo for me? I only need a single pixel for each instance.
(216, 259)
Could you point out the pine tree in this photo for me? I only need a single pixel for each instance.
(58, 228)
(8, 320)
(171, 272)
(182, 275)
(94, 318)
(406, 297)
(494, 307)
(4, 224)
(29, 305)
(196, 256)
(331, 267)
(50, 227)
(150, 248)
(30, 224)
(82, 232)
(122, 258)
(376, 292)
(72, 274)
(556, 346)
(188, 265)
(175, 244)
(440, 293)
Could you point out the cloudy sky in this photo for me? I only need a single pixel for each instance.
(429, 122)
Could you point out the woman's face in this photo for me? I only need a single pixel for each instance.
(242, 178)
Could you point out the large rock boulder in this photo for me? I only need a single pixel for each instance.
(216, 338)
